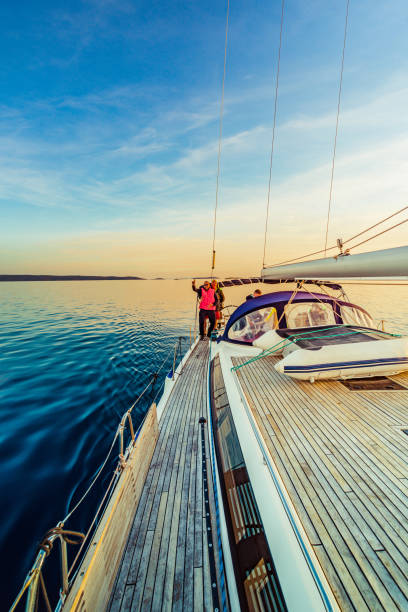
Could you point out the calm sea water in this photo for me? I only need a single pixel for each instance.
(73, 358)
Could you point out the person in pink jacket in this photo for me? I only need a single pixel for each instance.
(208, 305)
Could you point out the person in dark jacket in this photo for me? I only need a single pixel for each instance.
(255, 294)
(208, 305)
(221, 299)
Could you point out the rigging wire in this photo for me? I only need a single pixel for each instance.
(375, 225)
(379, 234)
(350, 239)
(337, 126)
(281, 263)
(220, 143)
(273, 133)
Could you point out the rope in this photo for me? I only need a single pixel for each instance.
(287, 261)
(278, 346)
(292, 297)
(220, 143)
(337, 126)
(314, 295)
(47, 542)
(273, 133)
(303, 336)
(45, 594)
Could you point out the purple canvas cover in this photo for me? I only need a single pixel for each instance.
(272, 299)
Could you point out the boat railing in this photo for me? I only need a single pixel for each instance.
(34, 584)
(227, 311)
(177, 351)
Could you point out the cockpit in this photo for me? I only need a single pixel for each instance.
(281, 310)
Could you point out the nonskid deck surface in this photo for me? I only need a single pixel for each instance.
(166, 561)
(342, 456)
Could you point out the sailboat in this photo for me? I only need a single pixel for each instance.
(271, 474)
(249, 489)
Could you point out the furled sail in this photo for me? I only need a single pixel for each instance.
(234, 282)
(376, 264)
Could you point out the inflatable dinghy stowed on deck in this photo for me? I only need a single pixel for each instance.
(348, 360)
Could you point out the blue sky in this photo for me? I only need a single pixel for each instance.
(109, 116)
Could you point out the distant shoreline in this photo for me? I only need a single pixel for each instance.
(70, 277)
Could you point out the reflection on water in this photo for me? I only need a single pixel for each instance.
(74, 356)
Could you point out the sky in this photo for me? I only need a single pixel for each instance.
(109, 123)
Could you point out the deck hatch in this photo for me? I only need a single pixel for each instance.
(374, 383)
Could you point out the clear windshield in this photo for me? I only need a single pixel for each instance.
(309, 314)
(251, 326)
(355, 316)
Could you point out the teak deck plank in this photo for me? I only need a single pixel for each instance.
(355, 481)
(343, 460)
(347, 444)
(172, 478)
(336, 548)
(343, 443)
(165, 563)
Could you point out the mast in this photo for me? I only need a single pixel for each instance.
(385, 263)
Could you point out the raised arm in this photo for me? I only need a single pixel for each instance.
(194, 288)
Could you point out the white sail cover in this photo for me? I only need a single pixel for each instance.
(376, 264)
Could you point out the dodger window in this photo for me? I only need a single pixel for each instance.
(252, 325)
(309, 314)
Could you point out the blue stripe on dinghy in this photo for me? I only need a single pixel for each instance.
(344, 365)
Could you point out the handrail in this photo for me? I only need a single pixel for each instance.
(122, 426)
(177, 350)
(35, 578)
(34, 582)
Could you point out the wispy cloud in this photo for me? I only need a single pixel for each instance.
(113, 166)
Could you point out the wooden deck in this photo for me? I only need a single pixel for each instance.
(166, 564)
(342, 456)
